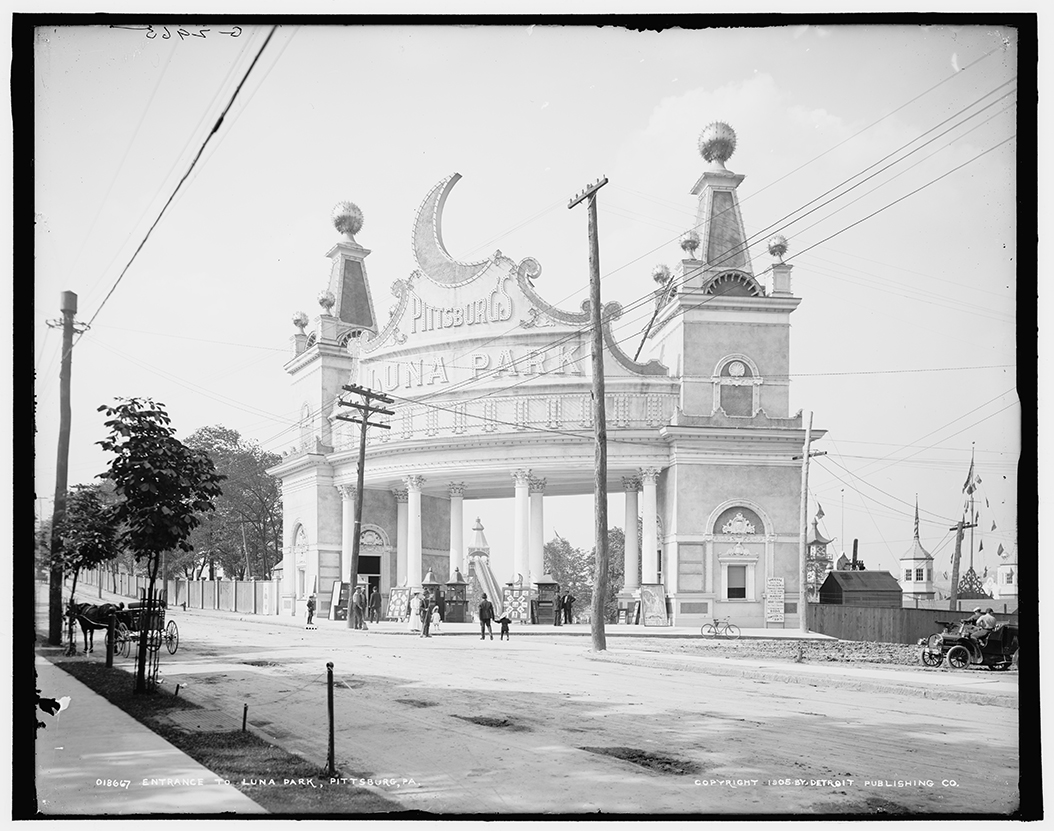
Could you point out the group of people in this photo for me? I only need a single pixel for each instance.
(362, 609)
(562, 609)
(424, 615)
(486, 614)
(980, 624)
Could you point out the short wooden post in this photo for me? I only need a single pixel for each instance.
(331, 771)
(111, 627)
(245, 715)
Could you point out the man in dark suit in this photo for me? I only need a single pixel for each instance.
(426, 614)
(375, 606)
(359, 605)
(568, 601)
(486, 615)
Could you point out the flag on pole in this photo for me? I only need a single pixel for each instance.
(969, 478)
(993, 524)
(819, 511)
(999, 550)
(980, 548)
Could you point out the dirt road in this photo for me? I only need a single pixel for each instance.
(452, 724)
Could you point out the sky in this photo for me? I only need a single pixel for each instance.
(903, 347)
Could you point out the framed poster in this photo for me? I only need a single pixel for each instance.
(775, 593)
(653, 604)
(338, 606)
(398, 603)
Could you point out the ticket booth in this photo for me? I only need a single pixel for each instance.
(547, 606)
(429, 589)
(456, 599)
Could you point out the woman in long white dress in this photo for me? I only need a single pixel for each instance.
(413, 623)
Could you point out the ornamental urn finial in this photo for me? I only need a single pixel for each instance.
(660, 274)
(300, 321)
(717, 143)
(326, 299)
(690, 242)
(778, 246)
(347, 219)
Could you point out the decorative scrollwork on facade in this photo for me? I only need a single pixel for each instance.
(738, 525)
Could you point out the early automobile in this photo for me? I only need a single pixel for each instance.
(963, 644)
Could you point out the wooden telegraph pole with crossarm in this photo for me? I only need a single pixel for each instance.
(366, 409)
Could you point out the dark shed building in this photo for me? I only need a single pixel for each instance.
(861, 588)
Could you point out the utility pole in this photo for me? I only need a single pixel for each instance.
(366, 409)
(803, 570)
(959, 529)
(600, 482)
(68, 306)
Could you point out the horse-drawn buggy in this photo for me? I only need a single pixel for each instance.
(963, 645)
(130, 621)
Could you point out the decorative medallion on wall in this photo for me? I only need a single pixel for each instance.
(736, 369)
(738, 525)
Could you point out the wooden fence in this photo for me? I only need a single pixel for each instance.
(254, 597)
(883, 625)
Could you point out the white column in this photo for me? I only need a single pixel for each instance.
(413, 531)
(401, 531)
(521, 528)
(347, 529)
(648, 518)
(457, 527)
(632, 552)
(537, 536)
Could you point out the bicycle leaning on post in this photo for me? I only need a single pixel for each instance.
(720, 629)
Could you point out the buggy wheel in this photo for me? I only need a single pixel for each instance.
(732, 631)
(932, 659)
(172, 637)
(708, 630)
(958, 657)
(153, 640)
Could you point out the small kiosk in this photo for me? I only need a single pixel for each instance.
(456, 599)
(547, 606)
(430, 590)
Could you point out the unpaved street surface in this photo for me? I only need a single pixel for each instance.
(539, 724)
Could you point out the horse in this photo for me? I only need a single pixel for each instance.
(92, 617)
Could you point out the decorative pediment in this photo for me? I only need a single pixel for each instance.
(738, 525)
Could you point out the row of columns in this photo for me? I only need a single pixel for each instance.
(528, 528)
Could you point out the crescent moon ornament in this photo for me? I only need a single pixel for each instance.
(431, 255)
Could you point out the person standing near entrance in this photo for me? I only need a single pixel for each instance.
(426, 615)
(310, 612)
(375, 606)
(486, 615)
(359, 604)
(415, 612)
(568, 603)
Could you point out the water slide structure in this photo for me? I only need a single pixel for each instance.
(489, 584)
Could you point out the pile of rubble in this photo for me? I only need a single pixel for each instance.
(808, 650)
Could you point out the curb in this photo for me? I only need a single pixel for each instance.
(868, 685)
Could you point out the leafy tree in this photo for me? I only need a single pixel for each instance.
(89, 532)
(162, 485)
(244, 534)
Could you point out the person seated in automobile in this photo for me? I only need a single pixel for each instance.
(984, 626)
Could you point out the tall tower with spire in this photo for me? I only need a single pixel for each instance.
(916, 569)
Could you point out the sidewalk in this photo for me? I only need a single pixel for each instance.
(92, 744)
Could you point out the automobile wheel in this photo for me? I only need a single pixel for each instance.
(958, 657)
(932, 659)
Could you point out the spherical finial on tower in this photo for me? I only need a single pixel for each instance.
(690, 242)
(778, 246)
(300, 321)
(347, 219)
(717, 142)
(660, 274)
(326, 299)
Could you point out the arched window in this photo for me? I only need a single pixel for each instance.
(737, 386)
